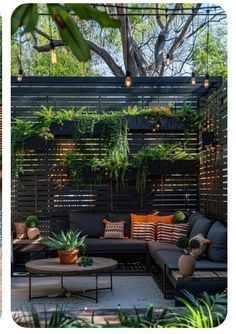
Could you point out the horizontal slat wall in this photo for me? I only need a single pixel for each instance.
(45, 189)
(102, 94)
(213, 165)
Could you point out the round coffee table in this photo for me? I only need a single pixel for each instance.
(53, 267)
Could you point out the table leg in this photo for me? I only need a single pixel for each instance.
(96, 288)
(111, 281)
(62, 283)
(30, 288)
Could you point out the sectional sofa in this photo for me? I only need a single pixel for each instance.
(164, 255)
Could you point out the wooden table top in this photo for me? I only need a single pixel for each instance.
(52, 266)
(200, 275)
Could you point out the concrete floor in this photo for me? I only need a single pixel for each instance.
(128, 291)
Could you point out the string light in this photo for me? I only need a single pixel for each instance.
(128, 78)
(53, 53)
(168, 59)
(193, 78)
(207, 77)
(20, 75)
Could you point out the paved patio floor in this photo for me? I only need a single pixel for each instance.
(128, 291)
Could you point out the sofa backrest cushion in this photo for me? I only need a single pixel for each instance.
(217, 251)
(201, 225)
(89, 223)
(192, 219)
(121, 216)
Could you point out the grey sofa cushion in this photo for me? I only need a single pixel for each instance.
(170, 259)
(90, 223)
(201, 225)
(114, 217)
(154, 246)
(192, 219)
(116, 246)
(217, 250)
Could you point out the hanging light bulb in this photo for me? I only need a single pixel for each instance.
(53, 53)
(168, 59)
(206, 81)
(20, 75)
(193, 79)
(128, 79)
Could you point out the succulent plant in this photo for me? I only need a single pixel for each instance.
(65, 241)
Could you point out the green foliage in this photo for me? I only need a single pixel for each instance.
(76, 167)
(208, 311)
(84, 124)
(179, 216)
(113, 168)
(114, 136)
(85, 261)
(159, 152)
(65, 241)
(182, 242)
(217, 53)
(26, 16)
(31, 221)
(186, 244)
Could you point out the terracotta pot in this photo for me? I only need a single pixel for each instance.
(186, 265)
(68, 257)
(33, 233)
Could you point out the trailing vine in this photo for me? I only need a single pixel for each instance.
(76, 165)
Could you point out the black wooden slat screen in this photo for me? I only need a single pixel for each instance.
(213, 167)
(44, 188)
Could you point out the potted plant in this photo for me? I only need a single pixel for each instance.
(179, 217)
(31, 224)
(187, 262)
(67, 245)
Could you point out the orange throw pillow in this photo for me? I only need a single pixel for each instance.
(138, 218)
(152, 218)
(166, 219)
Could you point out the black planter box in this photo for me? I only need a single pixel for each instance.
(171, 124)
(165, 167)
(35, 143)
(66, 129)
(166, 123)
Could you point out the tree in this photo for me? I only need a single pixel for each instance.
(147, 37)
(217, 51)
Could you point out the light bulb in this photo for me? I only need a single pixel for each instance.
(206, 81)
(20, 75)
(193, 80)
(168, 60)
(53, 56)
(128, 79)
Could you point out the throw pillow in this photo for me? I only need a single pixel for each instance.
(168, 219)
(143, 231)
(114, 230)
(21, 230)
(138, 218)
(204, 243)
(170, 233)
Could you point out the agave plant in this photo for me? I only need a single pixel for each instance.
(65, 241)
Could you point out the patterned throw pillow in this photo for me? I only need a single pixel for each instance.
(21, 230)
(114, 230)
(143, 231)
(170, 233)
(204, 243)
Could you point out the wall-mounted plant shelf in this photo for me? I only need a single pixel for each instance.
(165, 167)
(135, 123)
(36, 143)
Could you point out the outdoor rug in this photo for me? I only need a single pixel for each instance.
(128, 291)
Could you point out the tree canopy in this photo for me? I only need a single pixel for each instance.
(136, 36)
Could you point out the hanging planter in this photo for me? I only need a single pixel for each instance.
(65, 129)
(36, 143)
(165, 167)
(171, 124)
